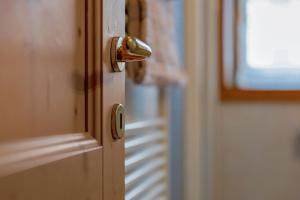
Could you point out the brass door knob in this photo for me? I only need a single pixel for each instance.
(127, 49)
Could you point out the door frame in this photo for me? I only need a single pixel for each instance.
(198, 104)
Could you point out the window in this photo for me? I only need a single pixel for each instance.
(261, 47)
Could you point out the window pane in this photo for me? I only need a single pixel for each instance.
(273, 34)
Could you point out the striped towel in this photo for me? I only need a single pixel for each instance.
(153, 22)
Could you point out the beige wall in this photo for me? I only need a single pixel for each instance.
(253, 149)
(259, 151)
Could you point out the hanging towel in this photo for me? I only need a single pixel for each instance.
(153, 22)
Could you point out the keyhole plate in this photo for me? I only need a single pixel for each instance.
(118, 121)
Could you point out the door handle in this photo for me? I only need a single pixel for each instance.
(127, 49)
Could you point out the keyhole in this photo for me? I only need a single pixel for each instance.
(121, 121)
(118, 121)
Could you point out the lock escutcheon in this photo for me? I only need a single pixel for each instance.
(118, 121)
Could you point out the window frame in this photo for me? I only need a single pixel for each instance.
(229, 90)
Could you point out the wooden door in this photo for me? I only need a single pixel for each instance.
(57, 90)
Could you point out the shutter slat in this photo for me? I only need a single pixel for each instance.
(143, 156)
(155, 123)
(132, 143)
(145, 185)
(155, 192)
(142, 172)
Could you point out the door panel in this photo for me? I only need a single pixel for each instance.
(50, 146)
(73, 174)
(42, 67)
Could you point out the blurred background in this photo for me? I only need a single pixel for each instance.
(233, 131)
(213, 114)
